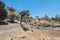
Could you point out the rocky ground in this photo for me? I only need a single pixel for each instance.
(17, 33)
(39, 34)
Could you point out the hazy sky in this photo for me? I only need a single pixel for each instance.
(36, 7)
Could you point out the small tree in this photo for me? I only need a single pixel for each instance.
(57, 17)
(24, 14)
(46, 17)
(12, 17)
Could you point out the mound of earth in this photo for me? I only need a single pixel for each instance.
(38, 35)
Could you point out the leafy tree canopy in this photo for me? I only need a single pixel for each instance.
(2, 4)
(3, 12)
(25, 13)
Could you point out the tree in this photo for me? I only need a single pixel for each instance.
(57, 17)
(3, 12)
(52, 18)
(2, 5)
(46, 17)
(24, 14)
(12, 17)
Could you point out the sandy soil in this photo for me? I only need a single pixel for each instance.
(17, 33)
(39, 35)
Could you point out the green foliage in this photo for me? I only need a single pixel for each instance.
(3, 12)
(12, 17)
(2, 4)
(57, 17)
(24, 14)
(46, 17)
